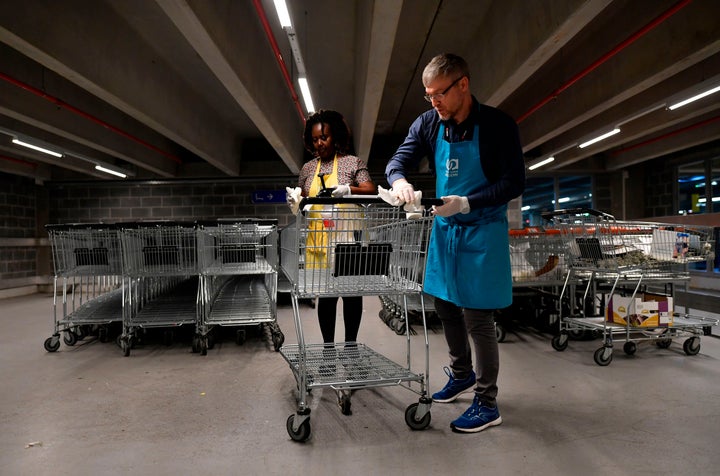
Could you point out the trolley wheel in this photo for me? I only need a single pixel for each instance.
(692, 346)
(664, 343)
(603, 356)
(303, 431)
(81, 332)
(125, 345)
(412, 421)
(203, 345)
(400, 326)
(344, 402)
(630, 348)
(240, 336)
(278, 339)
(195, 344)
(560, 342)
(70, 338)
(211, 341)
(52, 344)
(103, 334)
(500, 333)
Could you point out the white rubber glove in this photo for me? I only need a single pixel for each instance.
(388, 196)
(293, 197)
(341, 191)
(403, 190)
(452, 205)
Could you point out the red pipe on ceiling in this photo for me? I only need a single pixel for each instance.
(665, 136)
(278, 56)
(18, 161)
(90, 117)
(627, 42)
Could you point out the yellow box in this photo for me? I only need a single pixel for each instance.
(645, 310)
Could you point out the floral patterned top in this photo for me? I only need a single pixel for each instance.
(351, 170)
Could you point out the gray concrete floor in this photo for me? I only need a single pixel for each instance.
(166, 411)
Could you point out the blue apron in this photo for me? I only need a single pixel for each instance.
(469, 254)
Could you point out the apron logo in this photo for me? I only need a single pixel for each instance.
(452, 167)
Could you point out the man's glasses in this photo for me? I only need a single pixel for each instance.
(439, 96)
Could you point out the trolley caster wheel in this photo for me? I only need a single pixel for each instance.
(103, 334)
(400, 326)
(278, 340)
(52, 344)
(240, 336)
(411, 418)
(203, 345)
(664, 343)
(500, 333)
(125, 346)
(211, 341)
(70, 338)
(345, 403)
(303, 431)
(195, 344)
(603, 356)
(560, 342)
(630, 348)
(692, 346)
(80, 332)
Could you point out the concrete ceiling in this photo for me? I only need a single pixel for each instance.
(176, 89)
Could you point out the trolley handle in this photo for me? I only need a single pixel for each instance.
(576, 211)
(360, 200)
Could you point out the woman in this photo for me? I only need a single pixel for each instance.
(327, 137)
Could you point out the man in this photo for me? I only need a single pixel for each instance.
(475, 153)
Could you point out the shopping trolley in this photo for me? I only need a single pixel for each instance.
(161, 279)
(352, 246)
(396, 307)
(628, 271)
(238, 265)
(88, 268)
(537, 261)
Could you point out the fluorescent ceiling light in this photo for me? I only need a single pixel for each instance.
(305, 89)
(525, 208)
(38, 148)
(110, 171)
(672, 107)
(599, 138)
(564, 200)
(283, 13)
(541, 163)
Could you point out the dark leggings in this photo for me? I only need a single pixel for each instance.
(352, 313)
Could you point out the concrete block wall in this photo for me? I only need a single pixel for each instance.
(18, 206)
(181, 201)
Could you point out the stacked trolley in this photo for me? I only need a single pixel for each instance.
(537, 260)
(238, 264)
(161, 279)
(88, 268)
(349, 247)
(623, 264)
(399, 311)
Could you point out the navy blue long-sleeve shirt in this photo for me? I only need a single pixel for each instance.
(501, 154)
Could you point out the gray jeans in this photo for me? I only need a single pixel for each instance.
(458, 323)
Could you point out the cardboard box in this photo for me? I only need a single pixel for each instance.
(645, 310)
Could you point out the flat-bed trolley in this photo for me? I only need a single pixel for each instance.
(88, 268)
(161, 278)
(629, 270)
(238, 264)
(352, 246)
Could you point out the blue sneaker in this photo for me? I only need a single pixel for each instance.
(476, 418)
(454, 388)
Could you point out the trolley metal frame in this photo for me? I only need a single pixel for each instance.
(88, 268)
(238, 265)
(606, 254)
(353, 246)
(161, 278)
